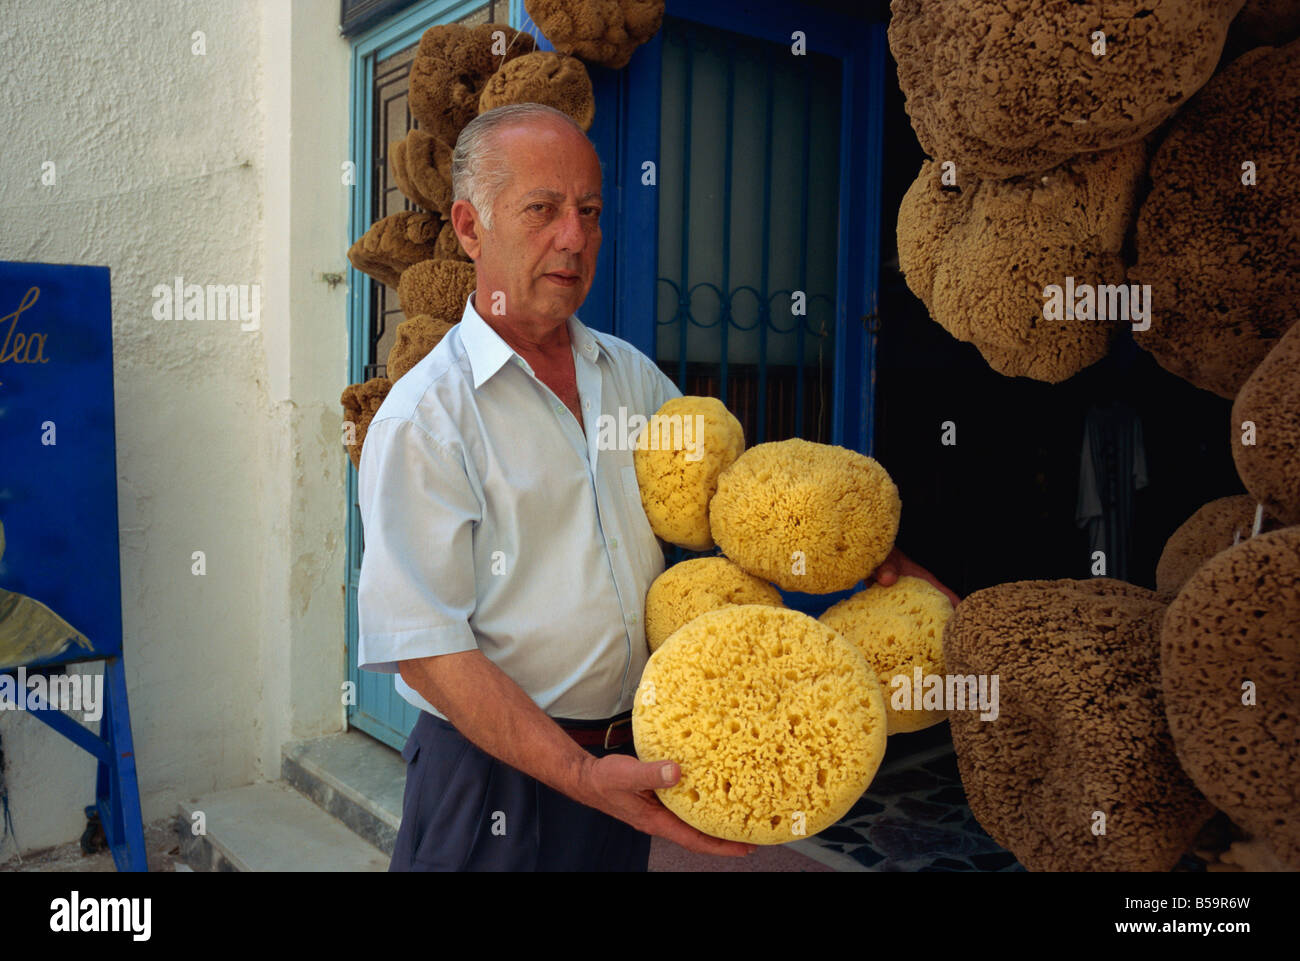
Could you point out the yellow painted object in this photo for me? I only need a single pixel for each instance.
(30, 631)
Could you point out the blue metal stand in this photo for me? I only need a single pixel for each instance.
(117, 793)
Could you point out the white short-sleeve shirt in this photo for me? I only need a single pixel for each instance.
(492, 521)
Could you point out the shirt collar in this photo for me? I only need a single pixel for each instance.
(488, 353)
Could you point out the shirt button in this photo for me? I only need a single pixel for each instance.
(614, 543)
(631, 618)
(587, 405)
(559, 408)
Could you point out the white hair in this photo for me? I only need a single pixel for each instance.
(478, 171)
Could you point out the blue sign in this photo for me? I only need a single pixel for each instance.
(60, 583)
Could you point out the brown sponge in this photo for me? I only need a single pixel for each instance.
(691, 588)
(1005, 89)
(421, 165)
(1237, 620)
(360, 402)
(776, 721)
(809, 517)
(1270, 468)
(448, 246)
(981, 254)
(438, 288)
(393, 244)
(1080, 727)
(1213, 528)
(605, 32)
(1222, 257)
(415, 338)
(451, 67)
(544, 77)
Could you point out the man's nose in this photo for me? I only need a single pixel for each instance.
(571, 236)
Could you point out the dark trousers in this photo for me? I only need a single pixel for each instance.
(464, 810)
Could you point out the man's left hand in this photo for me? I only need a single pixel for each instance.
(898, 564)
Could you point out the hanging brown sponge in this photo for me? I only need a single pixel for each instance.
(1221, 256)
(1080, 731)
(438, 288)
(448, 247)
(544, 77)
(1230, 663)
(1008, 89)
(1270, 399)
(604, 32)
(415, 339)
(393, 244)
(1213, 528)
(360, 403)
(982, 253)
(691, 588)
(451, 67)
(421, 166)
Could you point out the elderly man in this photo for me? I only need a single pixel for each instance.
(507, 558)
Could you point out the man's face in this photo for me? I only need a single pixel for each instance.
(541, 250)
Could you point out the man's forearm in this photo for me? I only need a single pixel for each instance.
(495, 713)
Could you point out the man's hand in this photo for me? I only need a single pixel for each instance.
(898, 564)
(623, 787)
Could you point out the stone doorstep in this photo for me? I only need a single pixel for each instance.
(353, 777)
(270, 827)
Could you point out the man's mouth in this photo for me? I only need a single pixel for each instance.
(563, 278)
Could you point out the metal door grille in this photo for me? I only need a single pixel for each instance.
(748, 183)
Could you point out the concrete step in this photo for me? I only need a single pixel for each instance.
(270, 827)
(353, 777)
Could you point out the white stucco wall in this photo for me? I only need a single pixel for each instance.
(220, 168)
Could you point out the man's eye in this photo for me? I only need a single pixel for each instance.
(591, 211)
(538, 208)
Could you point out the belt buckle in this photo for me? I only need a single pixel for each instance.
(609, 730)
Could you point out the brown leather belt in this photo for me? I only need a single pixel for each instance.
(610, 733)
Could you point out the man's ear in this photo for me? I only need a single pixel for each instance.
(464, 220)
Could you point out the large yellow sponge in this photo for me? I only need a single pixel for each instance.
(808, 517)
(691, 588)
(898, 629)
(687, 444)
(777, 723)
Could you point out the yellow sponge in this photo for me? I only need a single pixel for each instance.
(691, 588)
(687, 444)
(777, 722)
(808, 517)
(898, 629)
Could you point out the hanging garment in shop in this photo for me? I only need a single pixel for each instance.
(1112, 468)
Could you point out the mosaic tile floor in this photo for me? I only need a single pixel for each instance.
(915, 818)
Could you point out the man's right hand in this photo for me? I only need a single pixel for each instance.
(623, 787)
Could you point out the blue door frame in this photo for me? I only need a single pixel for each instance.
(623, 296)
